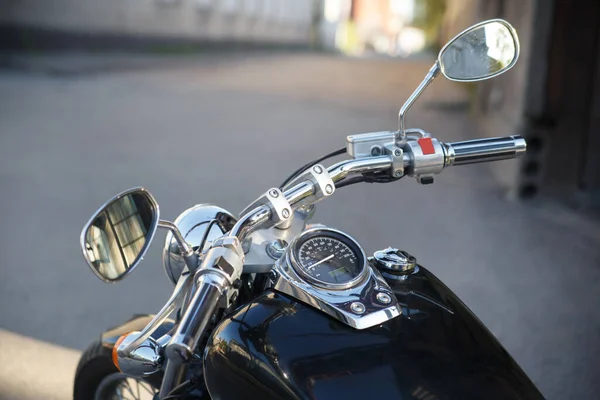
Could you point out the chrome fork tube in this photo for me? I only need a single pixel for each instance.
(173, 377)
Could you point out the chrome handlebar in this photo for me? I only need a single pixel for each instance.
(258, 217)
(454, 153)
(209, 285)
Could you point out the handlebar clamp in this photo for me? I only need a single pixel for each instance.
(281, 210)
(323, 185)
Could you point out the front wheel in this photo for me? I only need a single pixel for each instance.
(97, 378)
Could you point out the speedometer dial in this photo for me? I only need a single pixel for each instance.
(329, 258)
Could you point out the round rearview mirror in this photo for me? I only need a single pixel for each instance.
(481, 52)
(116, 238)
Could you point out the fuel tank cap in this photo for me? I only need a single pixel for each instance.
(394, 260)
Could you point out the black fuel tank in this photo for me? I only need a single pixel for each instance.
(279, 348)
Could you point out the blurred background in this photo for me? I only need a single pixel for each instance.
(218, 100)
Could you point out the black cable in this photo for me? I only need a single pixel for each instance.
(350, 181)
(206, 233)
(310, 164)
(373, 177)
(187, 385)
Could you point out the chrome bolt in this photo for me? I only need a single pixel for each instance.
(328, 189)
(397, 152)
(285, 213)
(276, 248)
(376, 151)
(383, 298)
(273, 193)
(317, 169)
(398, 174)
(357, 308)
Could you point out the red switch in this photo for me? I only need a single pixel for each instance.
(426, 146)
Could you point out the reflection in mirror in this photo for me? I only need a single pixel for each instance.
(119, 234)
(482, 52)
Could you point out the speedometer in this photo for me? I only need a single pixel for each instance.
(328, 258)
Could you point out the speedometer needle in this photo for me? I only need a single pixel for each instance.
(321, 261)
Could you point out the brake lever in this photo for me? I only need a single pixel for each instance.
(180, 290)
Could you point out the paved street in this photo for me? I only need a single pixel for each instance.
(222, 129)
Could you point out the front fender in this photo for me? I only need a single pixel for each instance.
(135, 323)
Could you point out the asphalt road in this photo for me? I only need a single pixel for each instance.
(225, 129)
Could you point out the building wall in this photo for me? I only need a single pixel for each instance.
(244, 20)
(499, 104)
(459, 15)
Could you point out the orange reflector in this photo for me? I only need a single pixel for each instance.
(115, 356)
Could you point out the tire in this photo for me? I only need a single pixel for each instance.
(96, 374)
(94, 365)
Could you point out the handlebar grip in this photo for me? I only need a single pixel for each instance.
(194, 321)
(483, 150)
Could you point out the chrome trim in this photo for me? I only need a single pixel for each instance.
(337, 302)
(511, 30)
(139, 258)
(192, 223)
(298, 240)
(392, 259)
(144, 360)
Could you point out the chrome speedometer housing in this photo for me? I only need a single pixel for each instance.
(362, 301)
(344, 252)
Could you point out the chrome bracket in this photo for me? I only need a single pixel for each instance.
(281, 210)
(322, 183)
(397, 155)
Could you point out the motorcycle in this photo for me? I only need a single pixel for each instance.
(268, 306)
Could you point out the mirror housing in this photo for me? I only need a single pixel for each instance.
(118, 235)
(480, 52)
(504, 55)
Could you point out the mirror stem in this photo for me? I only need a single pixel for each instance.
(190, 257)
(433, 72)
